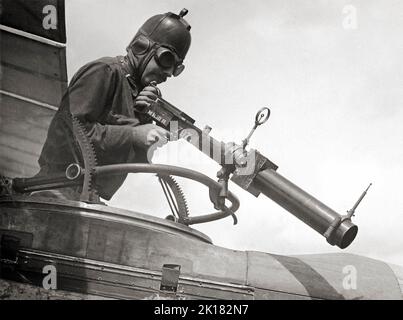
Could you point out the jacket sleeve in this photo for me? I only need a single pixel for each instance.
(89, 98)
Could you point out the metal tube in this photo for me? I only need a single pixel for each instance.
(304, 206)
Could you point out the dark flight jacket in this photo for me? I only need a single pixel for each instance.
(101, 97)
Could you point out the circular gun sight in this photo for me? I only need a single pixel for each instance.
(262, 116)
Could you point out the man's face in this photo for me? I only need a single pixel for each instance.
(154, 72)
(162, 65)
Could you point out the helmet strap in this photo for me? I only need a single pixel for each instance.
(139, 61)
(146, 59)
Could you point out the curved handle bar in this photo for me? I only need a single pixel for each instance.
(180, 172)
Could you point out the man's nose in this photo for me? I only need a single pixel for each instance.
(169, 72)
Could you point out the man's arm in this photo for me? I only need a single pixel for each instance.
(89, 98)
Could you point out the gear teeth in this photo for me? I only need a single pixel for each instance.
(83, 149)
(185, 204)
(89, 192)
(183, 209)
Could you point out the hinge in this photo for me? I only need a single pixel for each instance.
(11, 241)
(170, 277)
(9, 246)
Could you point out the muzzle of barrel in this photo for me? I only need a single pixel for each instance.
(306, 208)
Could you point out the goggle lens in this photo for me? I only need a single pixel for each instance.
(166, 59)
(178, 70)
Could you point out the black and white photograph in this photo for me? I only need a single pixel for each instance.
(201, 150)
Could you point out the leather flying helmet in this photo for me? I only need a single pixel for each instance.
(166, 30)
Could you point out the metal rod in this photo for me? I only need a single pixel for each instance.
(350, 212)
(168, 197)
(32, 36)
(36, 102)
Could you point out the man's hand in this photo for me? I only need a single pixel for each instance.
(146, 135)
(147, 96)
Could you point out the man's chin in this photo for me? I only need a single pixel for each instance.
(159, 80)
(152, 78)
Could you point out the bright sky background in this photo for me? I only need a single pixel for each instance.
(336, 99)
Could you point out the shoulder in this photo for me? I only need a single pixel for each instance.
(106, 66)
(112, 63)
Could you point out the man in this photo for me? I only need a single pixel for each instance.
(106, 96)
